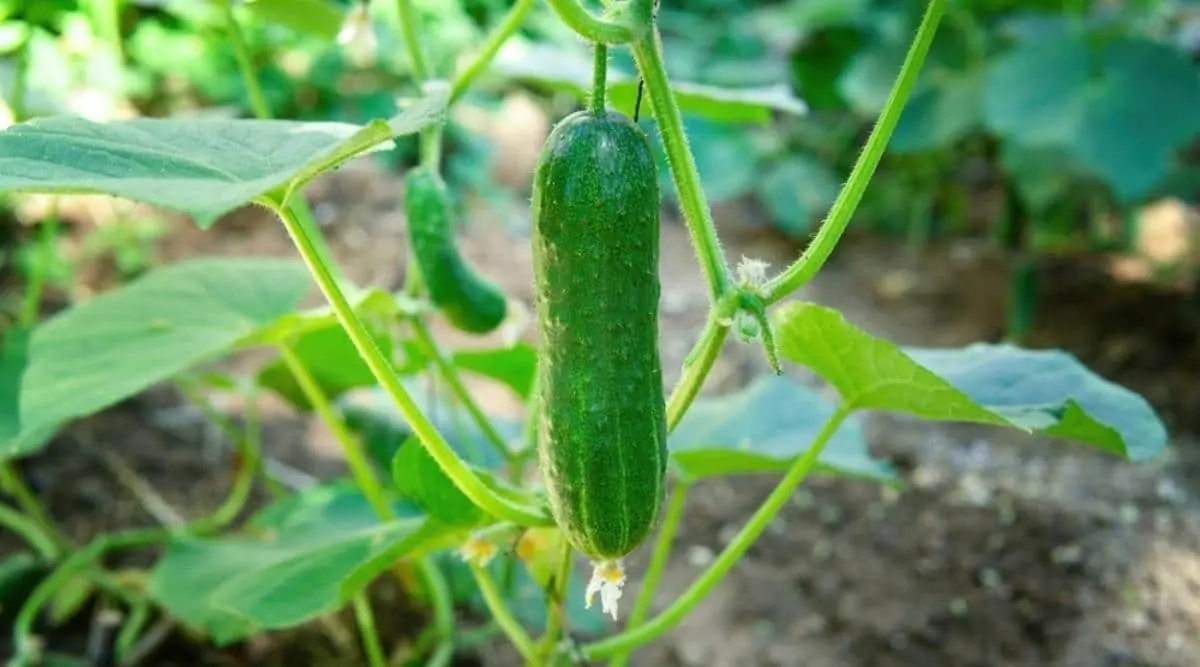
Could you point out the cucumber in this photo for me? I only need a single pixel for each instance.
(602, 435)
(467, 300)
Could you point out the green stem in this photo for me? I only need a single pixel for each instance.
(658, 563)
(679, 609)
(599, 77)
(450, 374)
(24, 642)
(366, 628)
(503, 615)
(647, 51)
(12, 483)
(364, 476)
(412, 40)
(31, 531)
(35, 289)
(594, 29)
(20, 82)
(439, 596)
(258, 102)
(556, 603)
(455, 468)
(826, 239)
(512, 21)
(699, 362)
(247, 445)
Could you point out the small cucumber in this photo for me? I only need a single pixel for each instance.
(602, 434)
(470, 302)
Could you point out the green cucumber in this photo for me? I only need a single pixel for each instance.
(602, 434)
(469, 301)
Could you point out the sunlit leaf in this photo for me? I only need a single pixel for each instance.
(762, 428)
(1037, 391)
(514, 366)
(418, 477)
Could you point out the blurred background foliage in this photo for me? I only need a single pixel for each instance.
(1042, 126)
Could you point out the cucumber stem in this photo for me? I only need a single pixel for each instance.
(512, 21)
(823, 244)
(599, 78)
(621, 29)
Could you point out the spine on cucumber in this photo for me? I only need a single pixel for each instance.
(602, 434)
(469, 301)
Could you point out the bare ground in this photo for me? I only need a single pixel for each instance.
(1007, 551)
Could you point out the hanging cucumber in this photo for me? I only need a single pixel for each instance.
(469, 301)
(602, 435)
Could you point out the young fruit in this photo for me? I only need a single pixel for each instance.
(602, 435)
(470, 302)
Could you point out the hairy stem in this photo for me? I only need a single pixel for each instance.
(454, 467)
(599, 77)
(450, 374)
(642, 634)
(658, 562)
(826, 239)
(258, 101)
(364, 476)
(512, 21)
(556, 602)
(647, 51)
(699, 362)
(623, 30)
(503, 615)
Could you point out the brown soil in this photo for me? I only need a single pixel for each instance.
(1007, 551)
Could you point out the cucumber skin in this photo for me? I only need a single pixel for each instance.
(602, 436)
(470, 302)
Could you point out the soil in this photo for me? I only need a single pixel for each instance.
(1005, 550)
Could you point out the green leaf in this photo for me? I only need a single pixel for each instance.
(514, 366)
(557, 68)
(317, 18)
(204, 167)
(14, 357)
(762, 428)
(867, 80)
(939, 114)
(797, 191)
(419, 478)
(322, 346)
(1047, 392)
(1037, 92)
(120, 343)
(373, 416)
(288, 571)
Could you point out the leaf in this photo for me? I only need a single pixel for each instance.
(762, 428)
(291, 572)
(939, 114)
(371, 414)
(796, 191)
(122, 342)
(514, 366)
(326, 351)
(1037, 92)
(14, 357)
(419, 478)
(558, 68)
(317, 18)
(1047, 392)
(204, 167)
(1142, 111)
(867, 80)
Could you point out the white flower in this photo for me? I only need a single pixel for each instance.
(608, 577)
(478, 550)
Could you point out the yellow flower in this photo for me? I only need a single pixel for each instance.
(478, 550)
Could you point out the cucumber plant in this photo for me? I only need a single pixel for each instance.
(604, 458)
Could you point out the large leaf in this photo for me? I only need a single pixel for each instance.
(514, 366)
(14, 356)
(288, 570)
(418, 477)
(1047, 392)
(557, 68)
(204, 167)
(762, 429)
(1037, 92)
(122, 342)
(318, 18)
(940, 113)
